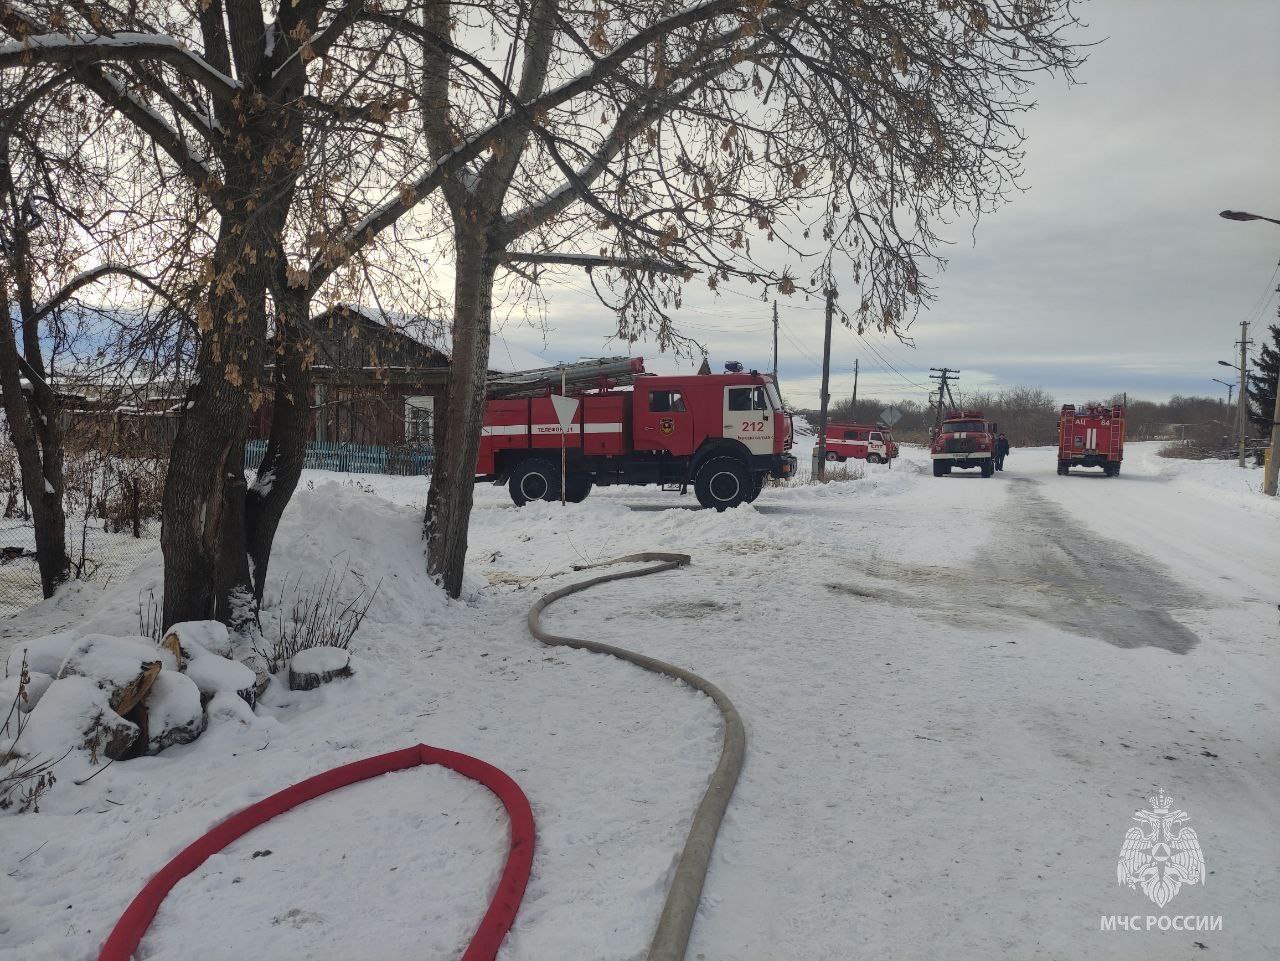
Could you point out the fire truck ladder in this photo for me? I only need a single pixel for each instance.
(579, 376)
(1116, 423)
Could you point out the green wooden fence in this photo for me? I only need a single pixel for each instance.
(353, 458)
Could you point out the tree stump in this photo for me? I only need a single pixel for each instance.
(318, 665)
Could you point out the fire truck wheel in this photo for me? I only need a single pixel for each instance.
(723, 482)
(874, 459)
(534, 479)
(940, 468)
(832, 456)
(1063, 469)
(577, 487)
(757, 485)
(988, 468)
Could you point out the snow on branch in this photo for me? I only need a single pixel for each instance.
(84, 48)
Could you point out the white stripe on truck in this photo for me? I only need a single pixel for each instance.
(507, 430)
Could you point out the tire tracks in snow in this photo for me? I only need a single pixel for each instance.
(1041, 563)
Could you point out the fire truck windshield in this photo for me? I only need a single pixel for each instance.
(964, 426)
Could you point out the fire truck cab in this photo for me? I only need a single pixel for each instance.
(721, 433)
(872, 443)
(965, 439)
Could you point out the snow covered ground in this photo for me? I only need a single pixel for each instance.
(957, 692)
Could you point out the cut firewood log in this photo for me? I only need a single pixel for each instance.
(124, 668)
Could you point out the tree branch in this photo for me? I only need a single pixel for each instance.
(590, 261)
(85, 49)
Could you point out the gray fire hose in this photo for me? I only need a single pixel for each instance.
(671, 937)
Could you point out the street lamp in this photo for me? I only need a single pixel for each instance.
(1273, 458)
(1241, 215)
(1231, 388)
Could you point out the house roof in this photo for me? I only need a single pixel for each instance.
(505, 357)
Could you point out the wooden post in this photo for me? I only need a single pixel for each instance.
(563, 456)
(821, 466)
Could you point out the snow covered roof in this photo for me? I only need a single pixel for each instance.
(507, 358)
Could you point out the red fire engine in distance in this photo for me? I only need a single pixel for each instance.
(721, 433)
(966, 439)
(873, 443)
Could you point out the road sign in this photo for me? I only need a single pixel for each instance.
(565, 407)
(890, 416)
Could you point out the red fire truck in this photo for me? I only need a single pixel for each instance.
(966, 439)
(1091, 436)
(872, 443)
(721, 433)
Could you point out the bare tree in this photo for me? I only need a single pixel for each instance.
(52, 190)
(650, 141)
(660, 141)
(278, 123)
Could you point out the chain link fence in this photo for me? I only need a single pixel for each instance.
(98, 556)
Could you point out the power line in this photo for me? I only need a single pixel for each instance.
(872, 348)
(783, 328)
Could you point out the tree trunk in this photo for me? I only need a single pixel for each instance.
(203, 493)
(287, 446)
(449, 500)
(37, 437)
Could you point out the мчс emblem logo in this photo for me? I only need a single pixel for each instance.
(667, 425)
(1160, 859)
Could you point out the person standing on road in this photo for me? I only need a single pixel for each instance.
(1002, 450)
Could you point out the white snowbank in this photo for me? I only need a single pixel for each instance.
(918, 728)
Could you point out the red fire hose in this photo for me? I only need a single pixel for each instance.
(497, 920)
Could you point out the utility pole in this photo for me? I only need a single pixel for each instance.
(1242, 415)
(564, 467)
(943, 375)
(820, 452)
(853, 411)
(775, 342)
(1273, 456)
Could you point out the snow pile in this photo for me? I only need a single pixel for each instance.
(74, 722)
(105, 697)
(43, 654)
(34, 689)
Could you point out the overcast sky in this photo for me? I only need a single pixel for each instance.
(1112, 272)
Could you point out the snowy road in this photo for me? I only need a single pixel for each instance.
(957, 692)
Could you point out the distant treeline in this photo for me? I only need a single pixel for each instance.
(1029, 416)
